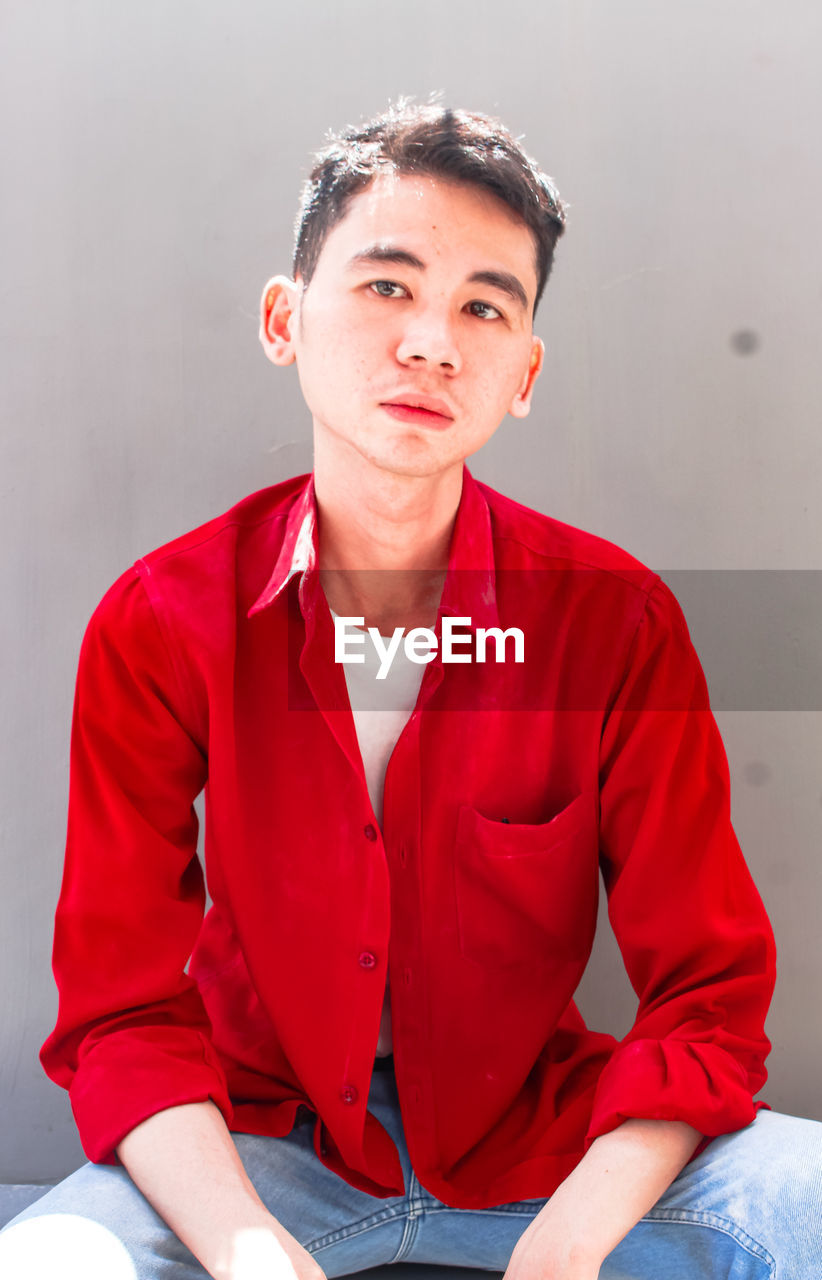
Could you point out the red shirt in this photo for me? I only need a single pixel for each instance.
(211, 664)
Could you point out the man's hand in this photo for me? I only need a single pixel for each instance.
(267, 1252)
(541, 1254)
(619, 1179)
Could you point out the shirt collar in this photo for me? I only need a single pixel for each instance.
(299, 551)
(470, 586)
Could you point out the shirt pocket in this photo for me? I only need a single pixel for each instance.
(527, 893)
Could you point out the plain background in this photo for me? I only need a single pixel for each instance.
(151, 159)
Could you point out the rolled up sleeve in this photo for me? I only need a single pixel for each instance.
(132, 1037)
(692, 929)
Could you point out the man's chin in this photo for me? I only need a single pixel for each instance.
(414, 468)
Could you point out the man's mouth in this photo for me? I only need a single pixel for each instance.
(421, 409)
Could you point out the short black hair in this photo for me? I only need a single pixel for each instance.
(426, 138)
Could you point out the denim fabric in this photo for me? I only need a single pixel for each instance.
(748, 1208)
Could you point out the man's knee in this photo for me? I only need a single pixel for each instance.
(65, 1245)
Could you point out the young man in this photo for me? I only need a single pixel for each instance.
(424, 717)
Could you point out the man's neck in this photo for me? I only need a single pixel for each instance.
(384, 543)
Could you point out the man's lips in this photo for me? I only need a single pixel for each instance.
(411, 408)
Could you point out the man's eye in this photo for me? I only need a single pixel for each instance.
(388, 288)
(483, 310)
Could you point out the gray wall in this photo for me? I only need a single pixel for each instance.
(151, 157)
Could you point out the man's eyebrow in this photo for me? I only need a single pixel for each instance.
(393, 255)
(505, 282)
(389, 253)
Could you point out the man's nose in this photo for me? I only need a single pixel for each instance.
(429, 338)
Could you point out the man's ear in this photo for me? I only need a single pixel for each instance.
(520, 406)
(278, 318)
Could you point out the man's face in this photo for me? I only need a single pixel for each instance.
(413, 338)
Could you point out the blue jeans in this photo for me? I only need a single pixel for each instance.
(748, 1208)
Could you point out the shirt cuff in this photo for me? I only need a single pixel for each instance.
(698, 1083)
(131, 1075)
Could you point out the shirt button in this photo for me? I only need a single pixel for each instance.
(407, 977)
(348, 1094)
(368, 960)
(370, 832)
(403, 855)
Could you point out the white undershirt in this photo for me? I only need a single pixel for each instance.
(380, 709)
